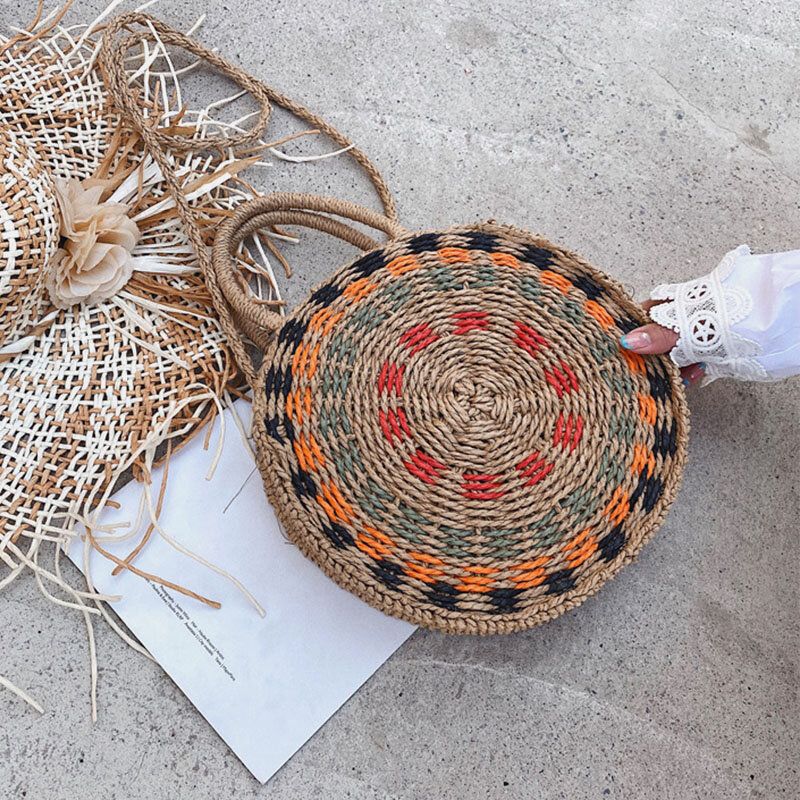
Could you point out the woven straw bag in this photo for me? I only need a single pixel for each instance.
(448, 426)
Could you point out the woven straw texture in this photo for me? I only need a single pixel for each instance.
(449, 428)
(92, 394)
(98, 383)
(28, 235)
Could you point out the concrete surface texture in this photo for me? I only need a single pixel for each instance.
(650, 137)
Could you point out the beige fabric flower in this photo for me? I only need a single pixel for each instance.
(95, 260)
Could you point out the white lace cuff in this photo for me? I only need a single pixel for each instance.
(742, 320)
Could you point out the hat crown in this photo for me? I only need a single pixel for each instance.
(29, 226)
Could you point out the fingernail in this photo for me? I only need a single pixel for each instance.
(694, 375)
(635, 340)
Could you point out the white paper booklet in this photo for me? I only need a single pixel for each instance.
(266, 685)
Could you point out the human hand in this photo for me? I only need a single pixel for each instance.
(653, 339)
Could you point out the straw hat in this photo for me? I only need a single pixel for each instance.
(110, 351)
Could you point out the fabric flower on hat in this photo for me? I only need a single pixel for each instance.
(95, 260)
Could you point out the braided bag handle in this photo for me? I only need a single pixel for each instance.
(307, 210)
(119, 37)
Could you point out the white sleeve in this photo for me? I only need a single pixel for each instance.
(742, 321)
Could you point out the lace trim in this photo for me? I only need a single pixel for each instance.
(703, 312)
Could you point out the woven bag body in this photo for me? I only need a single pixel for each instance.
(449, 428)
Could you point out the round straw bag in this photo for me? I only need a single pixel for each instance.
(448, 426)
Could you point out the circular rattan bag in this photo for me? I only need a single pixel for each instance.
(448, 426)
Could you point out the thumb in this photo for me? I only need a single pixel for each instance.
(649, 339)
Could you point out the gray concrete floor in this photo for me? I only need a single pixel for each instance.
(651, 137)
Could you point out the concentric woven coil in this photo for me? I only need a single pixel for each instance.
(448, 426)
